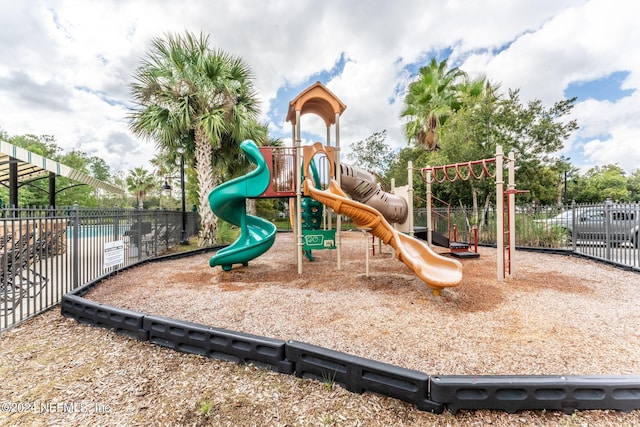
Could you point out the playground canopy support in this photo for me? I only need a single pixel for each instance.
(319, 100)
(453, 172)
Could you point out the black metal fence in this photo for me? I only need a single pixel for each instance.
(47, 252)
(605, 231)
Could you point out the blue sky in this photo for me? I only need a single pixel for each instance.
(608, 88)
(66, 65)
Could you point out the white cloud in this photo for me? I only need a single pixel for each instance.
(71, 62)
(610, 131)
(577, 44)
(621, 149)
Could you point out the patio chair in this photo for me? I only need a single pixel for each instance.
(18, 278)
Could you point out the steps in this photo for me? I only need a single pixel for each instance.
(458, 249)
(461, 250)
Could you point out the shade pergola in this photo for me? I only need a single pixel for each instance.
(19, 166)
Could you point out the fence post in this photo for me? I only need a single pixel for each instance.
(166, 227)
(151, 249)
(410, 201)
(500, 213)
(138, 235)
(75, 260)
(116, 222)
(574, 235)
(608, 241)
(637, 237)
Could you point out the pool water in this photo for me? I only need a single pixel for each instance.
(85, 231)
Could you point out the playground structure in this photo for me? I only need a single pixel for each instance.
(257, 235)
(506, 242)
(228, 202)
(312, 174)
(371, 208)
(436, 271)
(293, 173)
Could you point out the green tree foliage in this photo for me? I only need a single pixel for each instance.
(198, 100)
(44, 145)
(601, 183)
(633, 185)
(398, 170)
(271, 208)
(467, 118)
(542, 183)
(230, 161)
(167, 171)
(140, 182)
(99, 168)
(74, 192)
(372, 154)
(532, 131)
(430, 100)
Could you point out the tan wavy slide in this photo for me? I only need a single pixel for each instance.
(437, 271)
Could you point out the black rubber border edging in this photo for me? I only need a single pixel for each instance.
(537, 392)
(217, 343)
(357, 374)
(432, 393)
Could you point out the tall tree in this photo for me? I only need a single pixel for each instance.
(70, 192)
(633, 185)
(430, 99)
(99, 168)
(372, 153)
(466, 136)
(139, 183)
(601, 183)
(201, 100)
(532, 131)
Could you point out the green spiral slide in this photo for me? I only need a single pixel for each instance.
(229, 202)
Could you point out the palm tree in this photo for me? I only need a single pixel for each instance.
(472, 91)
(430, 100)
(202, 101)
(165, 164)
(139, 182)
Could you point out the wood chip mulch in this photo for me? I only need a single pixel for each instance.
(557, 315)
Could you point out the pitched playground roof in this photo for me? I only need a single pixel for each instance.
(316, 99)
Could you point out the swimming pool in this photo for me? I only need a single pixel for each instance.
(97, 230)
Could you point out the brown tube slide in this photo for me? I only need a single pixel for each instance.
(436, 271)
(364, 188)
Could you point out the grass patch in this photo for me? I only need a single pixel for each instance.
(227, 233)
(204, 408)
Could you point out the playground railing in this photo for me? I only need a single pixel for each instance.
(47, 252)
